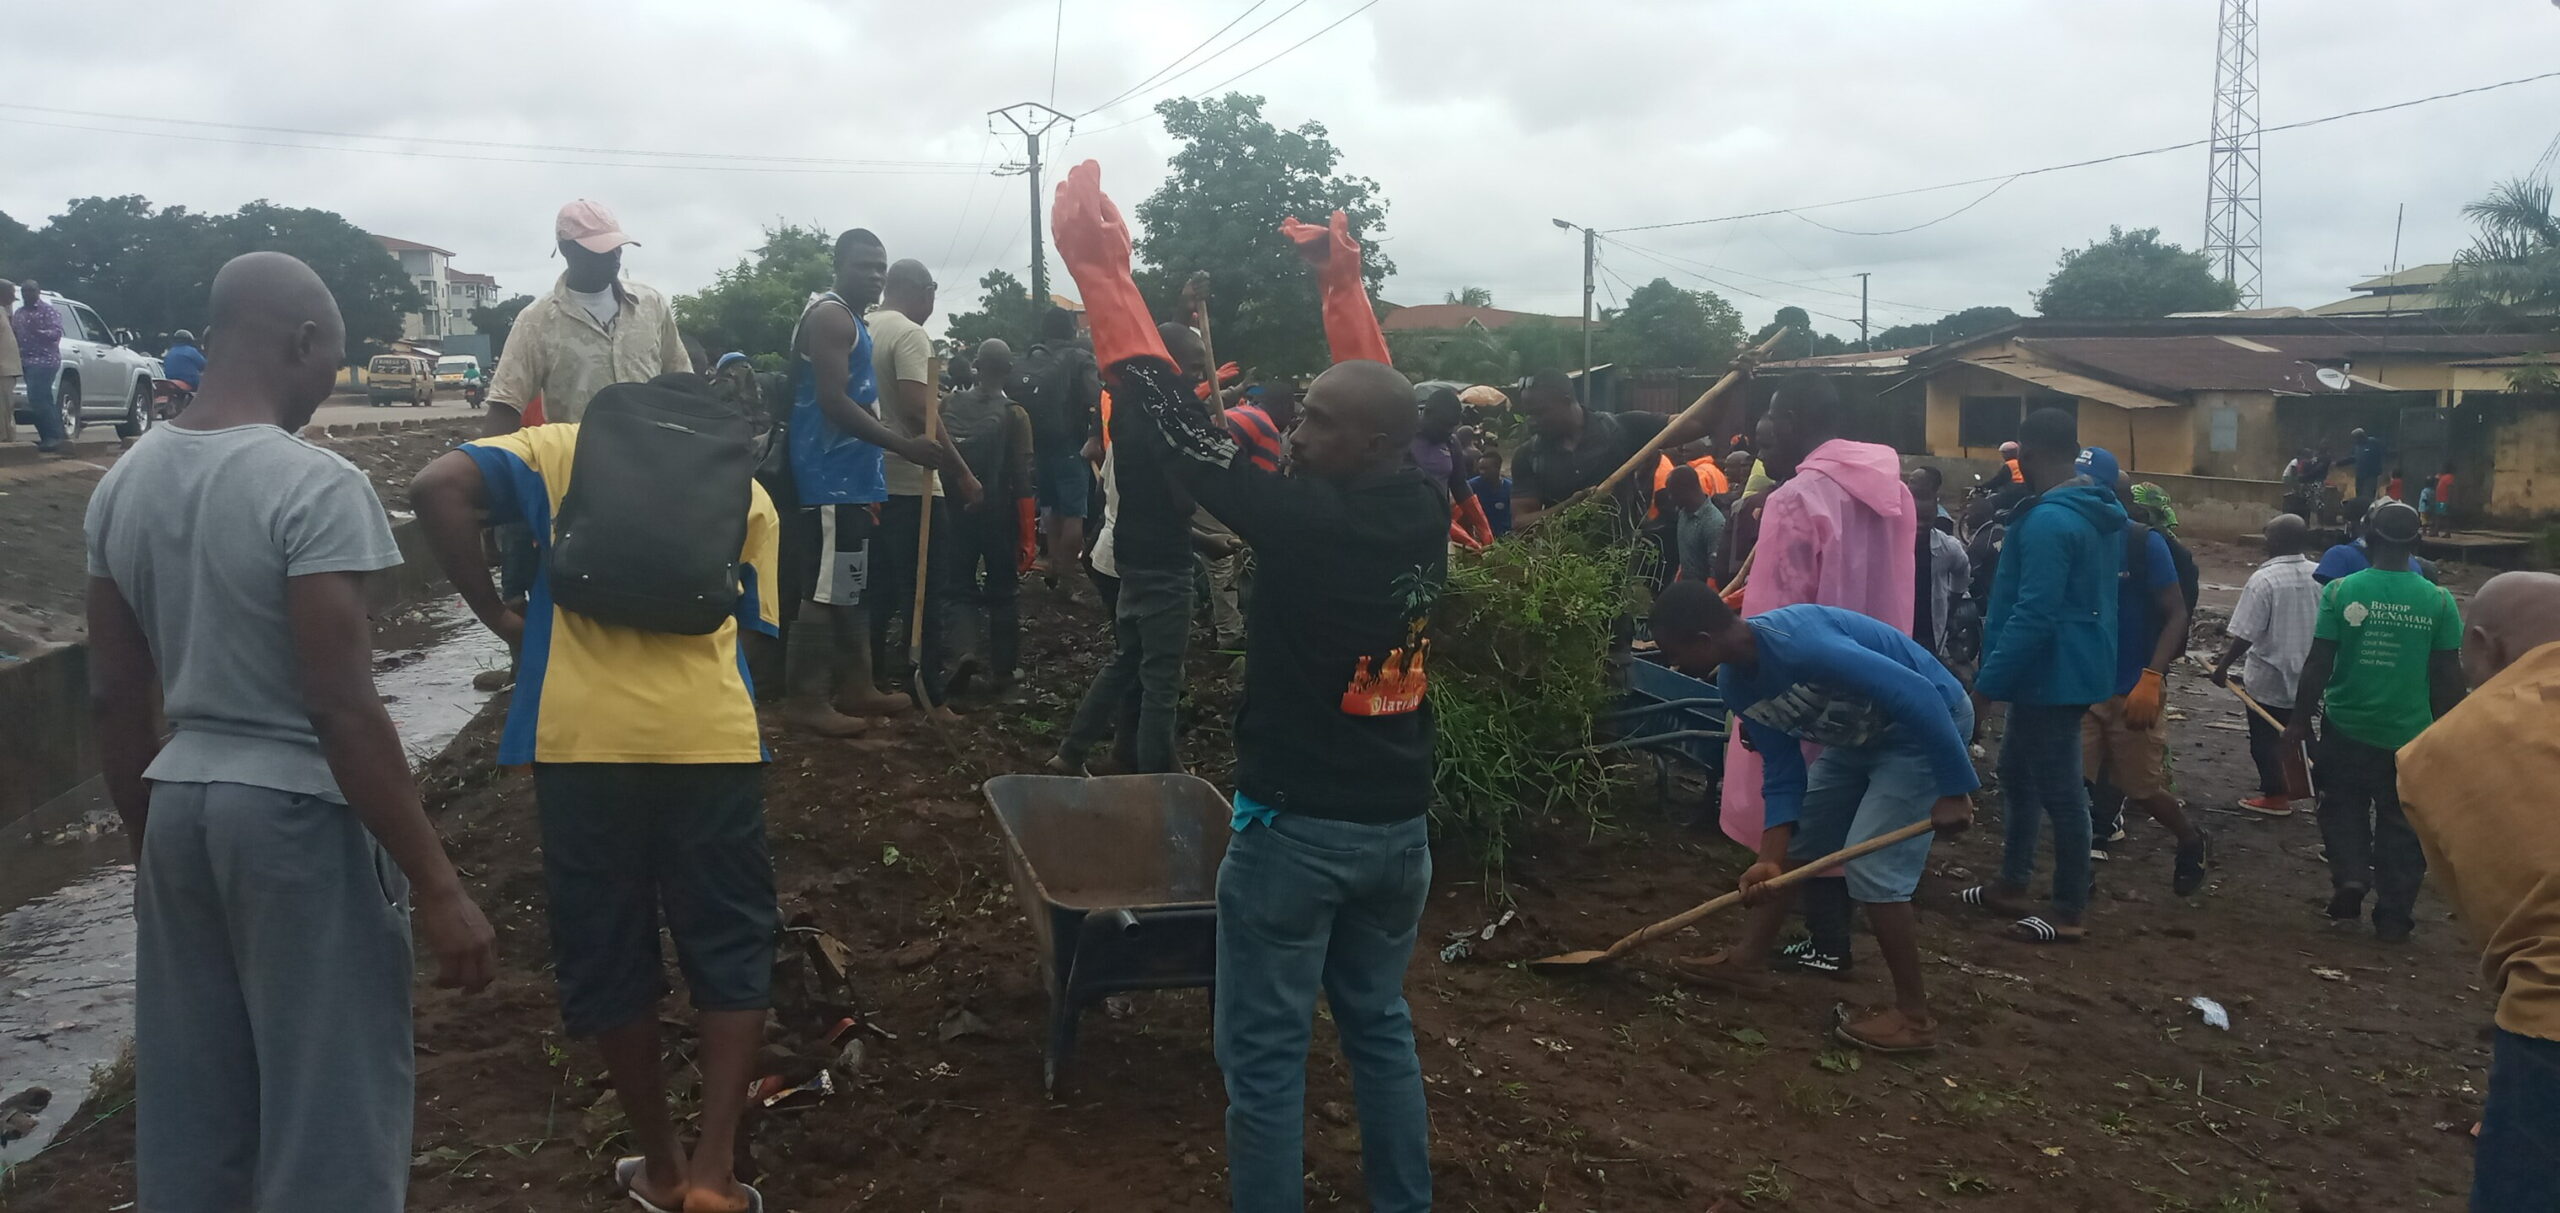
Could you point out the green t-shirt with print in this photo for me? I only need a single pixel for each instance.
(2388, 626)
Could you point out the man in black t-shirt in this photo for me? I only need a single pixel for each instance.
(1572, 448)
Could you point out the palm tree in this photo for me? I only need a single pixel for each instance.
(1470, 296)
(2510, 276)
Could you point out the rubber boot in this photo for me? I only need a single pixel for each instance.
(856, 693)
(808, 676)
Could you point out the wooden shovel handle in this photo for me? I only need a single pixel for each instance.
(1792, 876)
(1696, 407)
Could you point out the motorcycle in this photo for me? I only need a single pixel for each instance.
(472, 391)
(170, 397)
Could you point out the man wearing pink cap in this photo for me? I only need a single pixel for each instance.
(591, 331)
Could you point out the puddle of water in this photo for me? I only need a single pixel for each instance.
(66, 879)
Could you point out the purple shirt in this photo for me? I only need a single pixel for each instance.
(39, 330)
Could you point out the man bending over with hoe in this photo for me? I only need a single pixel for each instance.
(1326, 876)
(1892, 723)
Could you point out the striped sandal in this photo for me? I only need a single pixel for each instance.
(2034, 929)
(1990, 899)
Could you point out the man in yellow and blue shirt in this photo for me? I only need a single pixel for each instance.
(648, 773)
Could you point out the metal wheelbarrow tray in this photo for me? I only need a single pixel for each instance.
(1676, 717)
(1119, 877)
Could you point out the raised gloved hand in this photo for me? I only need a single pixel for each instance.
(1350, 323)
(2142, 703)
(1094, 242)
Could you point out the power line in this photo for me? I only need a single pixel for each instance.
(1212, 56)
(954, 166)
(1722, 285)
(1057, 36)
(1177, 61)
(968, 203)
(2056, 168)
(1896, 231)
(474, 143)
(1918, 309)
(1256, 67)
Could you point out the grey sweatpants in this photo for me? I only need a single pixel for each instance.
(271, 1020)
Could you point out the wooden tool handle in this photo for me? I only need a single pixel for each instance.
(1783, 880)
(1696, 407)
(2234, 688)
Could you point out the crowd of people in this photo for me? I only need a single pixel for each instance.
(1859, 630)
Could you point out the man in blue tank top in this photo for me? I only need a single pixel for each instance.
(837, 443)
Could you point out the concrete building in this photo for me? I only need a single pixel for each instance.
(446, 295)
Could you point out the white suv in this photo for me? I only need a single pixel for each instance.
(103, 377)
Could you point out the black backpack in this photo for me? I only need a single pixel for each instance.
(1045, 386)
(649, 533)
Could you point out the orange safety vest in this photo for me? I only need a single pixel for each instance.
(1710, 477)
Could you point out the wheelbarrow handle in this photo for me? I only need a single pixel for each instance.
(1792, 876)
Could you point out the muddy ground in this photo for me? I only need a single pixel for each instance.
(2069, 1077)
(43, 505)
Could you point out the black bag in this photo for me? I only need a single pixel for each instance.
(649, 533)
(1046, 386)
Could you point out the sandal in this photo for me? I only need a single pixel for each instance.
(2034, 929)
(1989, 897)
(755, 1199)
(1888, 1032)
(626, 1177)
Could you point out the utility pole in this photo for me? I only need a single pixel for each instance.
(1034, 120)
(1863, 343)
(2233, 241)
(1590, 253)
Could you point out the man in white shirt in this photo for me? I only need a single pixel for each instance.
(2271, 628)
(901, 358)
(593, 330)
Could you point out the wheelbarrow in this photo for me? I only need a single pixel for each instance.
(1680, 720)
(1119, 877)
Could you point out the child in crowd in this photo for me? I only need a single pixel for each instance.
(2398, 488)
(2440, 505)
(1493, 491)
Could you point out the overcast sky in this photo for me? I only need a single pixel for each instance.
(1480, 119)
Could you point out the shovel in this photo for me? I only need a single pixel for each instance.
(1801, 872)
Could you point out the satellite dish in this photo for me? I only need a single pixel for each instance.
(2331, 377)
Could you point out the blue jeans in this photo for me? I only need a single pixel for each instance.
(1306, 903)
(2516, 1166)
(1151, 624)
(41, 402)
(2039, 779)
(1854, 793)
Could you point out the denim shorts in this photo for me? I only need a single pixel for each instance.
(625, 844)
(1066, 482)
(1854, 793)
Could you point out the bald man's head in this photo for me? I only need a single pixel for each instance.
(2288, 535)
(276, 334)
(2512, 615)
(909, 289)
(1182, 342)
(1355, 418)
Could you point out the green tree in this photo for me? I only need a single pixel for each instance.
(754, 305)
(2510, 276)
(2132, 276)
(1234, 179)
(1004, 311)
(1666, 326)
(1802, 340)
(499, 319)
(1954, 326)
(14, 237)
(151, 269)
(373, 294)
(1469, 296)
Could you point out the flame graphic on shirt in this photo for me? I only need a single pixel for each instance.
(1394, 688)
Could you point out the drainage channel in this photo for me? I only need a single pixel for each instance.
(66, 882)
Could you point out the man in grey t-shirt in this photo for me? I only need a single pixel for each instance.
(277, 831)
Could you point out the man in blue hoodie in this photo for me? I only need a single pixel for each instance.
(1892, 723)
(2049, 651)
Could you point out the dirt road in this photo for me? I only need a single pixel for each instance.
(2070, 1077)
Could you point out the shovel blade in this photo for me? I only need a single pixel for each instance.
(1569, 960)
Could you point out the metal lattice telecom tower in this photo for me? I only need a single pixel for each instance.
(2232, 239)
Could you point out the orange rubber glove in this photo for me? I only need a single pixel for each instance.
(2142, 703)
(1458, 535)
(1470, 517)
(1350, 323)
(1094, 242)
(1026, 534)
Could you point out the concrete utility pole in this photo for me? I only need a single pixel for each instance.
(1863, 343)
(1034, 120)
(1590, 253)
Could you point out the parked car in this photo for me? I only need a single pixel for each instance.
(391, 377)
(454, 370)
(103, 377)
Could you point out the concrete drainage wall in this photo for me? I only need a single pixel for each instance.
(44, 699)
